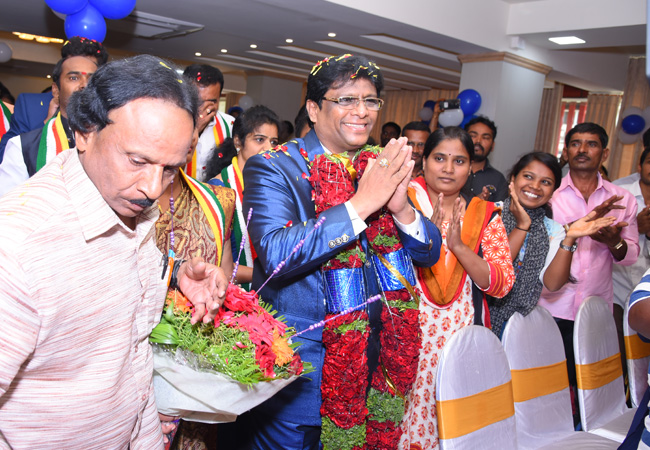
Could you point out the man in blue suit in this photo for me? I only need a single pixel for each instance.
(343, 104)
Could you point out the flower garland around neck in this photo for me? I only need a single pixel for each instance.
(345, 337)
(400, 336)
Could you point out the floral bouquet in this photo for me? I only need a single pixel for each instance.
(214, 372)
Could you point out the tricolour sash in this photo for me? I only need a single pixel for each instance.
(442, 282)
(53, 141)
(221, 131)
(5, 118)
(212, 208)
(232, 178)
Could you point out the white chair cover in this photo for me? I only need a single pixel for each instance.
(472, 362)
(637, 368)
(594, 340)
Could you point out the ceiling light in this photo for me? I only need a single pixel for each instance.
(253, 45)
(223, 50)
(37, 38)
(197, 54)
(289, 41)
(567, 40)
(331, 34)
(49, 76)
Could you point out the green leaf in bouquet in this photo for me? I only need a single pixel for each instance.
(386, 241)
(164, 333)
(357, 325)
(402, 306)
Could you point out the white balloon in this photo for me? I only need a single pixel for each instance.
(246, 102)
(426, 114)
(59, 15)
(631, 110)
(5, 52)
(451, 118)
(626, 138)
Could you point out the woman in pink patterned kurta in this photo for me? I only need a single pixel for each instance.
(474, 261)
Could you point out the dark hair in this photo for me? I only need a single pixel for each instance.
(335, 71)
(302, 120)
(393, 125)
(5, 93)
(416, 125)
(204, 75)
(485, 121)
(547, 159)
(448, 133)
(644, 155)
(120, 82)
(591, 128)
(247, 122)
(79, 46)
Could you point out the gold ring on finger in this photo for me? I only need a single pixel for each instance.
(383, 162)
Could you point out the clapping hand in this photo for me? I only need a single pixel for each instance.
(454, 241)
(438, 212)
(518, 211)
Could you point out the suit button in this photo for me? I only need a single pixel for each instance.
(368, 264)
(331, 244)
(338, 241)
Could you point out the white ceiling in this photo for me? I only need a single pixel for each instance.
(415, 41)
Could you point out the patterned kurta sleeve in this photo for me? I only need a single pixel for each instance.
(496, 252)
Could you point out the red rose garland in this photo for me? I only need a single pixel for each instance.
(400, 336)
(345, 338)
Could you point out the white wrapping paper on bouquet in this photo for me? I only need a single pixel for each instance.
(208, 397)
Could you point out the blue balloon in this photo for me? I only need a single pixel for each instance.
(66, 6)
(429, 104)
(470, 101)
(114, 9)
(466, 120)
(633, 124)
(88, 23)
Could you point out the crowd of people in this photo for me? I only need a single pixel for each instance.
(128, 163)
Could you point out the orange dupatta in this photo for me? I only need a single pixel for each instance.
(442, 282)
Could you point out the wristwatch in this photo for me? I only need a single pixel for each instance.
(619, 245)
(569, 248)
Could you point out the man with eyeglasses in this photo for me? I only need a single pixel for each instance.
(343, 102)
(417, 134)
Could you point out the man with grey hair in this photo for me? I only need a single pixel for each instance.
(82, 283)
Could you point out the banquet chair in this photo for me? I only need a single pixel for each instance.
(540, 384)
(599, 372)
(474, 393)
(637, 359)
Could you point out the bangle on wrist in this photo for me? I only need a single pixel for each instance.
(619, 245)
(173, 279)
(569, 248)
(523, 229)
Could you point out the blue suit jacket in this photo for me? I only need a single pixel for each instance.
(283, 214)
(29, 113)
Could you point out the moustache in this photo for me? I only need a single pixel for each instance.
(478, 147)
(144, 202)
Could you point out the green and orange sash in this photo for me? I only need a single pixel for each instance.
(442, 282)
(5, 118)
(53, 141)
(221, 131)
(232, 178)
(212, 208)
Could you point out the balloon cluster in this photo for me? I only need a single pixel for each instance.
(634, 122)
(86, 18)
(470, 102)
(246, 102)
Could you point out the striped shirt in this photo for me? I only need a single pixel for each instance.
(79, 294)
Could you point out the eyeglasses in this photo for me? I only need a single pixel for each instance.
(416, 144)
(372, 103)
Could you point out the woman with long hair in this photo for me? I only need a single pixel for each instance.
(474, 261)
(541, 248)
(254, 131)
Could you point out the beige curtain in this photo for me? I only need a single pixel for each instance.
(232, 99)
(623, 159)
(403, 107)
(603, 110)
(549, 120)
